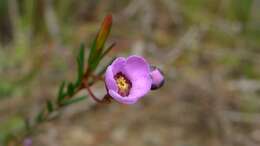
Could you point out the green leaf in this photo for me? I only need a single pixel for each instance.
(73, 100)
(102, 70)
(107, 50)
(40, 116)
(97, 60)
(61, 92)
(70, 89)
(80, 61)
(49, 106)
(95, 63)
(99, 43)
(92, 53)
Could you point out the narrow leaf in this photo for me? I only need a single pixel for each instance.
(80, 61)
(49, 106)
(108, 50)
(104, 32)
(73, 100)
(61, 92)
(97, 60)
(92, 52)
(99, 42)
(70, 89)
(40, 116)
(102, 70)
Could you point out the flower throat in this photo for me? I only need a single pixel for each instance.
(124, 85)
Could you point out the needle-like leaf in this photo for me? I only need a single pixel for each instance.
(107, 50)
(81, 65)
(70, 89)
(49, 106)
(73, 100)
(99, 42)
(61, 92)
(40, 117)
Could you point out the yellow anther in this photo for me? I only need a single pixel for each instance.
(122, 83)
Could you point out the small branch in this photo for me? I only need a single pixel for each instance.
(92, 95)
(97, 77)
(103, 100)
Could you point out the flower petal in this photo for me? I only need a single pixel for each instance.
(136, 66)
(121, 99)
(140, 87)
(138, 71)
(118, 65)
(109, 79)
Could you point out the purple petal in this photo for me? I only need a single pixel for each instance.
(109, 79)
(157, 78)
(140, 87)
(138, 71)
(136, 66)
(119, 98)
(118, 65)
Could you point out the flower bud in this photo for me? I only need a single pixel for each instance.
(157, 78)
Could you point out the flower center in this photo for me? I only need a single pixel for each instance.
(123, 84)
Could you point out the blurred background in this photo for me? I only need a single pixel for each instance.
(209, 51)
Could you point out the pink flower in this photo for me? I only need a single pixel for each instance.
(128, 79)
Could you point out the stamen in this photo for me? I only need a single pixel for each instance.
(124, 85)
